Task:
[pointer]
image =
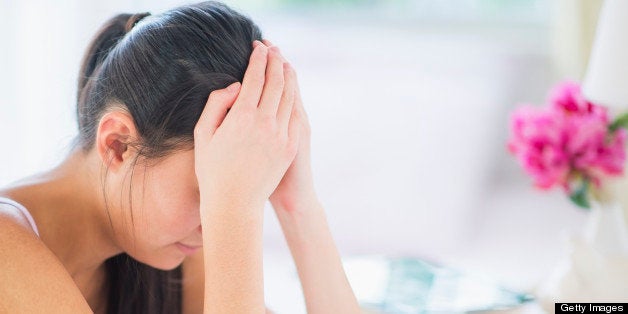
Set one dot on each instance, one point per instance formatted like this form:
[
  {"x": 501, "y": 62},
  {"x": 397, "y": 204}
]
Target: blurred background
[{"x": 408, "y": 102}]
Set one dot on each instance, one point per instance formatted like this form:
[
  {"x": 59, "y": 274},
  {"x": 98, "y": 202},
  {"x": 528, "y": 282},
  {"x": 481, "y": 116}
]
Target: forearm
[
  {"x": 232, "y": 238},
  {"x": 325, "y": 285}
]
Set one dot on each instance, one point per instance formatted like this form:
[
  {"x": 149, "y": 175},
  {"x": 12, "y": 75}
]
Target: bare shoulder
[{"x": 32, "y": 279}]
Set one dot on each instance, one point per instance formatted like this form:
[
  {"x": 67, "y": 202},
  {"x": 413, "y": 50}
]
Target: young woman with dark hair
[{"x": 187, "y": 123}]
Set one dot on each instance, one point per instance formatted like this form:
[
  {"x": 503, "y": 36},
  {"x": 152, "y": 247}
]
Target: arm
[
  {"x": 194, "y": 282},
  {"x": 232, "y": 237},
  {"x": 323, "y": 279},
  {"x": 32, "y": 279},
  {"x": 303, "y": 221},
  {"x": 240, "y": 157}
]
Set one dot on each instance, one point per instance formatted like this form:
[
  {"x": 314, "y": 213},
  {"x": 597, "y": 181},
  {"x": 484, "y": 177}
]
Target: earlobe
[{"x": 115, "y": 132}]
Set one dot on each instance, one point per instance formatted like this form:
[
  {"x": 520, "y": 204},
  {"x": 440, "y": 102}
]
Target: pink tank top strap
[{"x": 23, "y": 210}]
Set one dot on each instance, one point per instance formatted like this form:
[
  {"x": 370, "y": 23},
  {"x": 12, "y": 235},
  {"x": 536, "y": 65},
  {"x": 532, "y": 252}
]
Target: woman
[{"x": 158, "y": 207}]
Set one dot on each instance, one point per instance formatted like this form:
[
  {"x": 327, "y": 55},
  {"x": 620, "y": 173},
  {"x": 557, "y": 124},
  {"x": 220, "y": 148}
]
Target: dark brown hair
[{"x": 161, "y": 68}]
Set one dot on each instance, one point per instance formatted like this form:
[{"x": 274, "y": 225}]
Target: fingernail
[
  {"x": 233, "y": 87},
  {"x": 269, "y": 42}
]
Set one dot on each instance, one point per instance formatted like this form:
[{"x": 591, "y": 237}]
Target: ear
[{"x": 116, "y": 130}]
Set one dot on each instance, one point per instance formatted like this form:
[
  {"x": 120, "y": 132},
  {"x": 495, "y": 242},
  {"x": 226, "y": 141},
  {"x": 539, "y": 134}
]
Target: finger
[
  {"x": 272, "y": 46},
  {"x": 267, "y": 42},
  {"x": 218, "y": 102},
  {"x": 276, "y": 49},
  {"x": 294, "y": 131},
  {"x": 287, "y": 98},
  {"x": 254, "y": 77},
  {"x": 298, "y": 102},
  {"x": 274, "y": 85}
]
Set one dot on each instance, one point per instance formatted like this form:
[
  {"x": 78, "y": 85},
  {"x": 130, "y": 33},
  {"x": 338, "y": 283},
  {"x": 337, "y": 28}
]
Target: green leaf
[
  {"x": 580, "y": 196},
  {"x": 620, "y": 122}
]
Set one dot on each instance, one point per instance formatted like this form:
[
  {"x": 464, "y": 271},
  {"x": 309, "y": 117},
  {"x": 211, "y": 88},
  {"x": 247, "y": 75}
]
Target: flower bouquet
[
  {"x": 574, "y": 144},
  {"x": 571, "y": 143}
]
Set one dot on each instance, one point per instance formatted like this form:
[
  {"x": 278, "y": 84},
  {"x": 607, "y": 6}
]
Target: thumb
[{"x": 218, "y": 102}]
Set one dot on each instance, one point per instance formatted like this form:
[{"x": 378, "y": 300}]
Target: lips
[
  {"x": 187, "y": 249},
  {"x": 191, "y": 247}
]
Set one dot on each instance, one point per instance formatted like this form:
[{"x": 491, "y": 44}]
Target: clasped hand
[{"x": 252, "y": 141}]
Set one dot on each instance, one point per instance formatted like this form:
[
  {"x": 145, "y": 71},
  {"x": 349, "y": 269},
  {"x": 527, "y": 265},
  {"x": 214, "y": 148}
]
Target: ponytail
[{"x": 106, "y": 38}]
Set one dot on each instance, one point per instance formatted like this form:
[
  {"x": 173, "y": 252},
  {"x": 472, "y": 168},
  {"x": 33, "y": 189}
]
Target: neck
[{"x": 69, "y": 210}]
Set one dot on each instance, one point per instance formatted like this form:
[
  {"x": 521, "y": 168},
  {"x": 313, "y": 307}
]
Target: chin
[
  {"x": 167, "y": 267},
  {"x": 167, "y": 262},
  {"x": 162, "y": 261}
]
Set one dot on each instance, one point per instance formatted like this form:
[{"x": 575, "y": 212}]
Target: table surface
[
  {"x": 530, "y": 308},
  {"x": 284, "y": 295}
]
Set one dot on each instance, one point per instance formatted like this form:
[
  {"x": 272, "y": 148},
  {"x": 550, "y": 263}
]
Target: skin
[{"x": 212, "y": 194}]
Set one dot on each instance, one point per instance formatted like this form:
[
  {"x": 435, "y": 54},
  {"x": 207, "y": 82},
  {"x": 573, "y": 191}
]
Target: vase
[{"x": 596, "y": 268}]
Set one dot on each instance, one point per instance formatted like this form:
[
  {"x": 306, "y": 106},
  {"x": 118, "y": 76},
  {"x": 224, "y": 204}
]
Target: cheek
[{"x": 169, "y": 208}]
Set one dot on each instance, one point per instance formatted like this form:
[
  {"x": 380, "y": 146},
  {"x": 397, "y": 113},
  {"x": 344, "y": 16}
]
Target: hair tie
[{"x": 134, "y": 19}]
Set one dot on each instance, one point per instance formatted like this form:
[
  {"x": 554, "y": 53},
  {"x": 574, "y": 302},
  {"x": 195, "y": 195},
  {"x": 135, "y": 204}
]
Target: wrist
[
  {"x": 229, "y": 204},
  {"x": 303, "y": 221},
  {"x": 302, "y": 199}
]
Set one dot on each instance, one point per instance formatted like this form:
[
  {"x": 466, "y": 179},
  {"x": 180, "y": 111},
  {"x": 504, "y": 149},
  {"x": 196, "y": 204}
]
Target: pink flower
[
  {"x": 538, "y": 140},
  {"x": 569, "y": 137},
  {"x": 593, "y": 151},
  {"x": 567, "y": 97}
]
